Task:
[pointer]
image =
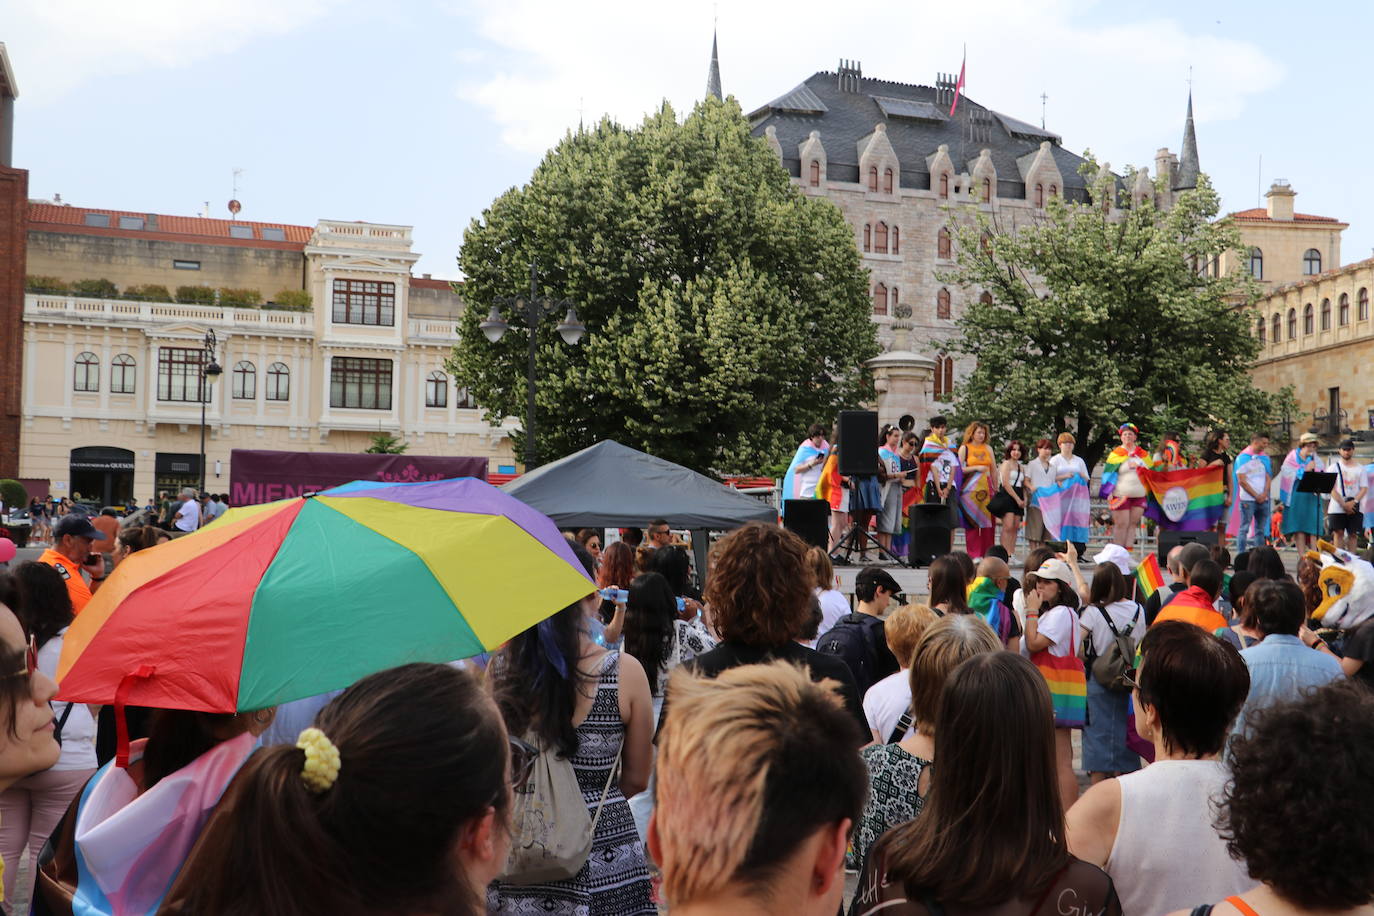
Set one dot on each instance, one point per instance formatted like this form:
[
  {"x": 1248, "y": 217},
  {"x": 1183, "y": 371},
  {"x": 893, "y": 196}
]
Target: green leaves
[
  {"x": 725, "y": 310},
  {"x": 1097, "y": 321}
]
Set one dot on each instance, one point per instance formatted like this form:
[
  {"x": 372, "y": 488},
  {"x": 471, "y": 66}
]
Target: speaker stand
[{"x": 858, "y": 537}]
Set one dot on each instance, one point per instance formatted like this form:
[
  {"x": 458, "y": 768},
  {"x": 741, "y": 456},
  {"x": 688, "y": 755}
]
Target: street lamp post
[
  {"x": 533, "y": 309},
  {"x": 209, "y": 370}
]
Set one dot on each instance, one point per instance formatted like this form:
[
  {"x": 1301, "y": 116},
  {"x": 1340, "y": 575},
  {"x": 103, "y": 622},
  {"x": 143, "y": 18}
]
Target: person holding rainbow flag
[
  {"x": 1122, "y": 487},
  {"x": 979, "y": 465}
]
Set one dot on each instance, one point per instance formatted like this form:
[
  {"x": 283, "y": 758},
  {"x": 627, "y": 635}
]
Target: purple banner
[{"x": 261, "y": 476}]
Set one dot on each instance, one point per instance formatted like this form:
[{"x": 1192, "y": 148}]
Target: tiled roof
[
  {"x": 163, "y": 226},
  {"x": 428, "y": 283},
  {"x": 1259, "y": 213}
]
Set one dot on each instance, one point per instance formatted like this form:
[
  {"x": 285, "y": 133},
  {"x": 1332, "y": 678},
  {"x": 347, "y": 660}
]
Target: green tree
[
  {"x": 386, "y": 444},
  {"x": 726, "y": 311},
  {"x": 1098, "y": 319}
]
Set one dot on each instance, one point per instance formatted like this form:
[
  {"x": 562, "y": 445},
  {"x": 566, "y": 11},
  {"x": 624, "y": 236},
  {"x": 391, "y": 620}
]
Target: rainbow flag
[
  {"x": 1188, "y": 500},
  {"x": 973, "y": 500},
  {"x": 985, "y": 598},
  {"x": 1112, "y": 469},
  {"x": 828, "y": 487},
  {"x": 1149, "y": 577},
  {"x": 1066, "y": 509}
]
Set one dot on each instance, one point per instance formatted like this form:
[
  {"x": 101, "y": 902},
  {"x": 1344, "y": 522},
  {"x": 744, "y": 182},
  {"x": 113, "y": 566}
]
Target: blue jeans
[{"x": 1259, "y": 511}]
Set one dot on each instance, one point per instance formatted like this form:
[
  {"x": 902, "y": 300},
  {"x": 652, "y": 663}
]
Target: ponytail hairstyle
[{"x": 421, "y": 754}]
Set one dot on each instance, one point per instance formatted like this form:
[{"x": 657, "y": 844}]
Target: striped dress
[{"x": 615, "y": 880}]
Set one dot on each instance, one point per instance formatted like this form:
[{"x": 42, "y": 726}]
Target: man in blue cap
[{"x": 70, "y": 553}]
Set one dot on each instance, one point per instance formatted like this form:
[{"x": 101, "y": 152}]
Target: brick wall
[{"x": 14, "y": 204}]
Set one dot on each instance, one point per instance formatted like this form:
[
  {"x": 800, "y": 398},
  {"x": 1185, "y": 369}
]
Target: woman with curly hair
[{"x": 1309, "y": 842}]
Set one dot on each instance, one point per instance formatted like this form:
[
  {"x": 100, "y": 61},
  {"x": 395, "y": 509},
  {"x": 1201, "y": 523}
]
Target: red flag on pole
[{"x": 959, "y": 86}]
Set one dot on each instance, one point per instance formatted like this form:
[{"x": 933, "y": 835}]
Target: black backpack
[{"x": 856, "y": 638}]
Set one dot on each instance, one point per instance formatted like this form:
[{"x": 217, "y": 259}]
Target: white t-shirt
[
  {"x": 1122, "y": 613},
  {"x": 78, "y": 732},
  {"x": 190, "y": 516},
  {"x": 1253, "y": 473},
  {"x": 892, "y": 467},
  {"x": 1037, "y": 476},
  {"x": 1059, "y": 463},
  {"x": 886, "y": 702},
  {"x": 1057, "y": 625},
  {"x": 806, "y": 481},
  {"x": 834, "y": 605},
  {"x": 1352, "y": 479}
]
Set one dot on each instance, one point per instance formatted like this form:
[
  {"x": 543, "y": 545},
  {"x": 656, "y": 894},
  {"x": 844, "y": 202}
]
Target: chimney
[
  {"x": 851, "y": 72},
  {"x": 1280, "y": 200},
  {"x": 9, "y": 91}
]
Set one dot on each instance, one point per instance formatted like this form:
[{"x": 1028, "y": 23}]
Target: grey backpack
[{"x": 1111, "y": 668}]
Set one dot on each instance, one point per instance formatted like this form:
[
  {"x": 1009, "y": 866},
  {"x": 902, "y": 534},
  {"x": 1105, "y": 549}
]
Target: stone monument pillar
[{"x": 902, "y": 379}]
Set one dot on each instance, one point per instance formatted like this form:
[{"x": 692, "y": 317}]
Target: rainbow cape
[
  {"x": 828, "y": 487},
  {"x": 1244, "y": 458},
  {"x": 1188, "y": 500},
  {"x": 985, "y": 598},
  {"x": 931, "y": 451},
  {"x": 1066, "y": 509},
  {"x": 791, "y": 484},
  {"x": 1113, "y": 467},
  {"x": 1148, "y": 576}
]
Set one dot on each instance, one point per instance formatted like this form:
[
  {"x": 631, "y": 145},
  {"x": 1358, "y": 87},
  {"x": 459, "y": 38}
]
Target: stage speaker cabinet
[
  {"x": 858, "y": 442},
  {"x": 809, "y": 519},
  {"x": 1169, "y": 539},
  {"x": 932, "y": 533}
]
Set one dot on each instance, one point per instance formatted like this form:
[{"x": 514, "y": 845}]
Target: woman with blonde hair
[
  {"x": 980, "y": 482},
  {"x": 888, "y": 701},
  {"x": 758, "y": 788},
  {"x": 834, "y": 604},
  {"x": 898, "y": 778}
]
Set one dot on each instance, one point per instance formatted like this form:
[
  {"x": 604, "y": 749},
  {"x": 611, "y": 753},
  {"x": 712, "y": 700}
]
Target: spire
[
  {"x": 713, "y": 74},
  {"x": 1187, "y": 158}
]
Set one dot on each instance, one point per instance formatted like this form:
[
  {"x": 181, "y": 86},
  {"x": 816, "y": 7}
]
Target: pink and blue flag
[{"x": 1066, "y": 508}]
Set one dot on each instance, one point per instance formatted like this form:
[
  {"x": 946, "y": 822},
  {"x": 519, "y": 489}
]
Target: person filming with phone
[{"x": 71, "y": 554}]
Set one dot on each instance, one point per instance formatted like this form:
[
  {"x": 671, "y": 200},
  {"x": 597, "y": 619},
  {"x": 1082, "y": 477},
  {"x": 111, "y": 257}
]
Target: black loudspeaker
[
  {"x": 1169, "y": 539},
  {"x": 907, "y": 423},
  {"x": 809, "y": 519},
  {"x": 858, "y": 443},
  {"x": 932, "y": 533}
]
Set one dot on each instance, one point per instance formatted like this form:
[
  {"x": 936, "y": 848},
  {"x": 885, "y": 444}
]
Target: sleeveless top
[{"x": 1167, "y": 855}]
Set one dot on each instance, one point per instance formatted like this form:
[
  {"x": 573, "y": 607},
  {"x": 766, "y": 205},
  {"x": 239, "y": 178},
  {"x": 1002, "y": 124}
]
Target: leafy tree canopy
[
  {"x": 725, "y": 310},
  {"x": 1096, "y": 320}
]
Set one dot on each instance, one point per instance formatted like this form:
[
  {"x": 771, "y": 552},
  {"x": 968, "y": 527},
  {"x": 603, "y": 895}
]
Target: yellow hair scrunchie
[{"x": 321, "y": 760}]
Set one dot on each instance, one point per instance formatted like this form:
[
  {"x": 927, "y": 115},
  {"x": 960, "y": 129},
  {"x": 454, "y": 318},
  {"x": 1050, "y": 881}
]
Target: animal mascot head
[{"x": 1347, "y": 586}]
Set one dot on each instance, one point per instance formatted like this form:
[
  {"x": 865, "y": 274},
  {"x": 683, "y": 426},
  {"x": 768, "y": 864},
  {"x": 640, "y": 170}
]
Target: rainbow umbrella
[{"x": 290, "y": 599}]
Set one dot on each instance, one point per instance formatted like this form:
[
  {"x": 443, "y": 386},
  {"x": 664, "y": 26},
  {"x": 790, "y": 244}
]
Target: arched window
[
  {"x": 815, "y": 173},
  {"x": 1326, "y": 314},
  {"x": 894, "y": 295},
  {"x": 1256, "y": 263},
  {"x": 987, "y": 190},
  {"x": 942, "y": 304},
  {"x": 436, "y": 389},
  {"x": 880, "y": 299},
  {"x": 944, "y": 377},
  {"x": 1292, "y": 323},
  {"x": 278, "y": 382},
  {"x": 985, "y": 298},
  {"x": 873, "y": 178},
  {"x": 462, "y": 398},
  {"x": 880, "y": 238},
  {"x": 942, "y": 245},
  {"x": 1312, "y": 262},
  {"x": 896, "y": 240},
  {"x": 1039, "y": 195},
  {"x": 1275, "y": 325},
  {"x": 1307, "y": 319},
  {"x": 86, "y": 376},
  {"x": 887, "y": 181},
  {"x": 1054, "y": 190},
  {"x": 122, "y": 374},
  {"x": 1343, "y": 310},
  {"x": 868, "y": 236},
  {"x": 245, "y": 380},
  {"x": 1362, "y": 304},
  {"x": 1259, "y": 329},
  {"x": 944, "y": 184}
]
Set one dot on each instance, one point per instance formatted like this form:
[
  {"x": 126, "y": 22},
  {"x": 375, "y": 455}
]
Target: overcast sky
[{"x": 420, "y": 112}]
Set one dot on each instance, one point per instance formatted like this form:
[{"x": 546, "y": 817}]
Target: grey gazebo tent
[{"x": 612, "y": 485}]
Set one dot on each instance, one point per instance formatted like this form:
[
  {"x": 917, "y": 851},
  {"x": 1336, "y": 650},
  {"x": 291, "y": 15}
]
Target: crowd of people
[
  {"x": 185, "y": 510},
  {"x": 995, "y": 493},
  {"x": 735, "y": 748}
]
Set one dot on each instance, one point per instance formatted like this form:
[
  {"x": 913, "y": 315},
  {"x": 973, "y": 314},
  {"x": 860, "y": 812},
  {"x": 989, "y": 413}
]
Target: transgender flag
[{"x": 1066, "y": 508}]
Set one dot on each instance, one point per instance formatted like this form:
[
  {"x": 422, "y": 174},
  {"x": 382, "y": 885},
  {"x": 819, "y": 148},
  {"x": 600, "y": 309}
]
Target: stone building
[
  {"x": 112, "y": 388},
  {"x": 904, "y": 171}
]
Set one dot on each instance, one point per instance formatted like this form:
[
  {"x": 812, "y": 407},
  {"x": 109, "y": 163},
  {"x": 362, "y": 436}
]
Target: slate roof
[{"x": 917, "y": 123}]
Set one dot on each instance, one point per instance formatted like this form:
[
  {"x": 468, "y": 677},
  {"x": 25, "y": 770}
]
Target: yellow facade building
[{"x": 112, "y": 385}]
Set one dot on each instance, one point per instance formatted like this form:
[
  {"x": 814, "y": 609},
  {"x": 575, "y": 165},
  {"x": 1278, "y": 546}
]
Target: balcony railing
[{"x": 42, "y": 305}]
